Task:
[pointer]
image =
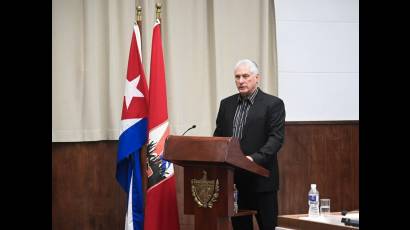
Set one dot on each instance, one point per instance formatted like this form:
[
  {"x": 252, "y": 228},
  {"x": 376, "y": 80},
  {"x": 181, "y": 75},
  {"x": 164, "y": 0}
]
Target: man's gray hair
[{"x": 253, "y": 67}]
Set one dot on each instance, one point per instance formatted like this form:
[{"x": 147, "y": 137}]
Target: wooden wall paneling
[
  {"x": 294, "y": 170},
  {"x": 322, "y": 153},
  {"x": 85, "y": 193},
  {"x": 355, "y": 167}
]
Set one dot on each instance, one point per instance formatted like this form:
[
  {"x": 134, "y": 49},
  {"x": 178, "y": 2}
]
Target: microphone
[
  {"x": 192, "y": 127},
  {"x": 350, "y": 222}
]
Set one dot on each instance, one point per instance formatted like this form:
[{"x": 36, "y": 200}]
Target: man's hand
[{"x": 250, "y": 158}]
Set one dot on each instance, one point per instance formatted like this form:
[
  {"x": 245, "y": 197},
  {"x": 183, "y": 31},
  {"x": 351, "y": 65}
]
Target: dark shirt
[{"x": 244, "y": 103}]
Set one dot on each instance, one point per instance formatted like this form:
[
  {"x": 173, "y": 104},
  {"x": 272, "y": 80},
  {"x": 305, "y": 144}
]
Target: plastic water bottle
[
  {"x": 235, "y": 199},
  {"x": 313, "y": 201}
]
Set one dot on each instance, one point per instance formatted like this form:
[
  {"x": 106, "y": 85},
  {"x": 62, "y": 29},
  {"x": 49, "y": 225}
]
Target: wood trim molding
[{"x": 341, "y": 122}]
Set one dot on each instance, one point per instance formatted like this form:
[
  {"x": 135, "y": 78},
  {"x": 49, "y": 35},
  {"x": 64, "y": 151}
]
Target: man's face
[{"x": 245, "y": 81}]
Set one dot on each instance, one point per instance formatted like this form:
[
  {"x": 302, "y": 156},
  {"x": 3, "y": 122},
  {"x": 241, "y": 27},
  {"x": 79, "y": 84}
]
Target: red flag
[{"x": 161, "y": 210}]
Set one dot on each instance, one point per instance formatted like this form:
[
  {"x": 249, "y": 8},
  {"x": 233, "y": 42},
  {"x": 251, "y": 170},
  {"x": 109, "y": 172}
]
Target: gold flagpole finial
[
  {"x": 139, "y": 13},
  {"x": 158, "y": 6}
]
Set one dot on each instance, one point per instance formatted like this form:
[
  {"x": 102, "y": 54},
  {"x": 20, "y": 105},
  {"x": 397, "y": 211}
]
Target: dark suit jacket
[{"x": 262, "y": 137}]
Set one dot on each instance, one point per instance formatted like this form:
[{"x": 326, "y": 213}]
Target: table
[{"x": 303, "y": 221}]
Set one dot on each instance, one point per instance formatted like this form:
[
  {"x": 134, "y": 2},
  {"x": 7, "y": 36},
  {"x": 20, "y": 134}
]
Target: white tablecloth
[{"x": 330, "y": 219}]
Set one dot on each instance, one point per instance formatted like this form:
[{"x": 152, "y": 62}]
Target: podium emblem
[{"x": 205, "y": 192}]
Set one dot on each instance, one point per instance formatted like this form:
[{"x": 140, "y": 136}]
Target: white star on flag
[{"x": 131, "y": 90}]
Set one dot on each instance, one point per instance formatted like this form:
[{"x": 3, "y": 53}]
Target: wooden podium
[{"x": 209, "y": 164}]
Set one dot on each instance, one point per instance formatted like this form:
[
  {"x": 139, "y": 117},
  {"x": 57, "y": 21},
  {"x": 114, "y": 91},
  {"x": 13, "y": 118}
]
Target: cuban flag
[
  {"x": 133, "y": 135},
  {"x": 161, "y": 210}
]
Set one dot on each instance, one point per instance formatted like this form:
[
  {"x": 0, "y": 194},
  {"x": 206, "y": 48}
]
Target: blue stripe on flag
[
  {"x": 128, "y": 163},
  {"x": 130, "y": 141},
  {"x": 137, "y": 196}
]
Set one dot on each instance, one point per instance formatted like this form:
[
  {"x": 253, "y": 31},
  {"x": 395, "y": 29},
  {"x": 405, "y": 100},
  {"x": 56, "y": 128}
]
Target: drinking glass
[{"x": 324, "y": 206}]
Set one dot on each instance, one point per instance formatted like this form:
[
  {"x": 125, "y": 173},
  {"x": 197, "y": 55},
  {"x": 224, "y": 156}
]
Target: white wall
[{"x": 318, "y": 58}]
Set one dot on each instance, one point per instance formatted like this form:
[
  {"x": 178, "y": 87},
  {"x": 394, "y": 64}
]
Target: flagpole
[{"x": 143, "y": 152}]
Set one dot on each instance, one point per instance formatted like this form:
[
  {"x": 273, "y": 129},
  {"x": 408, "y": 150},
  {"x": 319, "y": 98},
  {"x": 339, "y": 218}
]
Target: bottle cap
[{"x": 313, "y": 185}]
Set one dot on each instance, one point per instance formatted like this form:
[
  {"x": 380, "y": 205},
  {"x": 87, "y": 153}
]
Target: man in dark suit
[{"x": 258, "y": 120}]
